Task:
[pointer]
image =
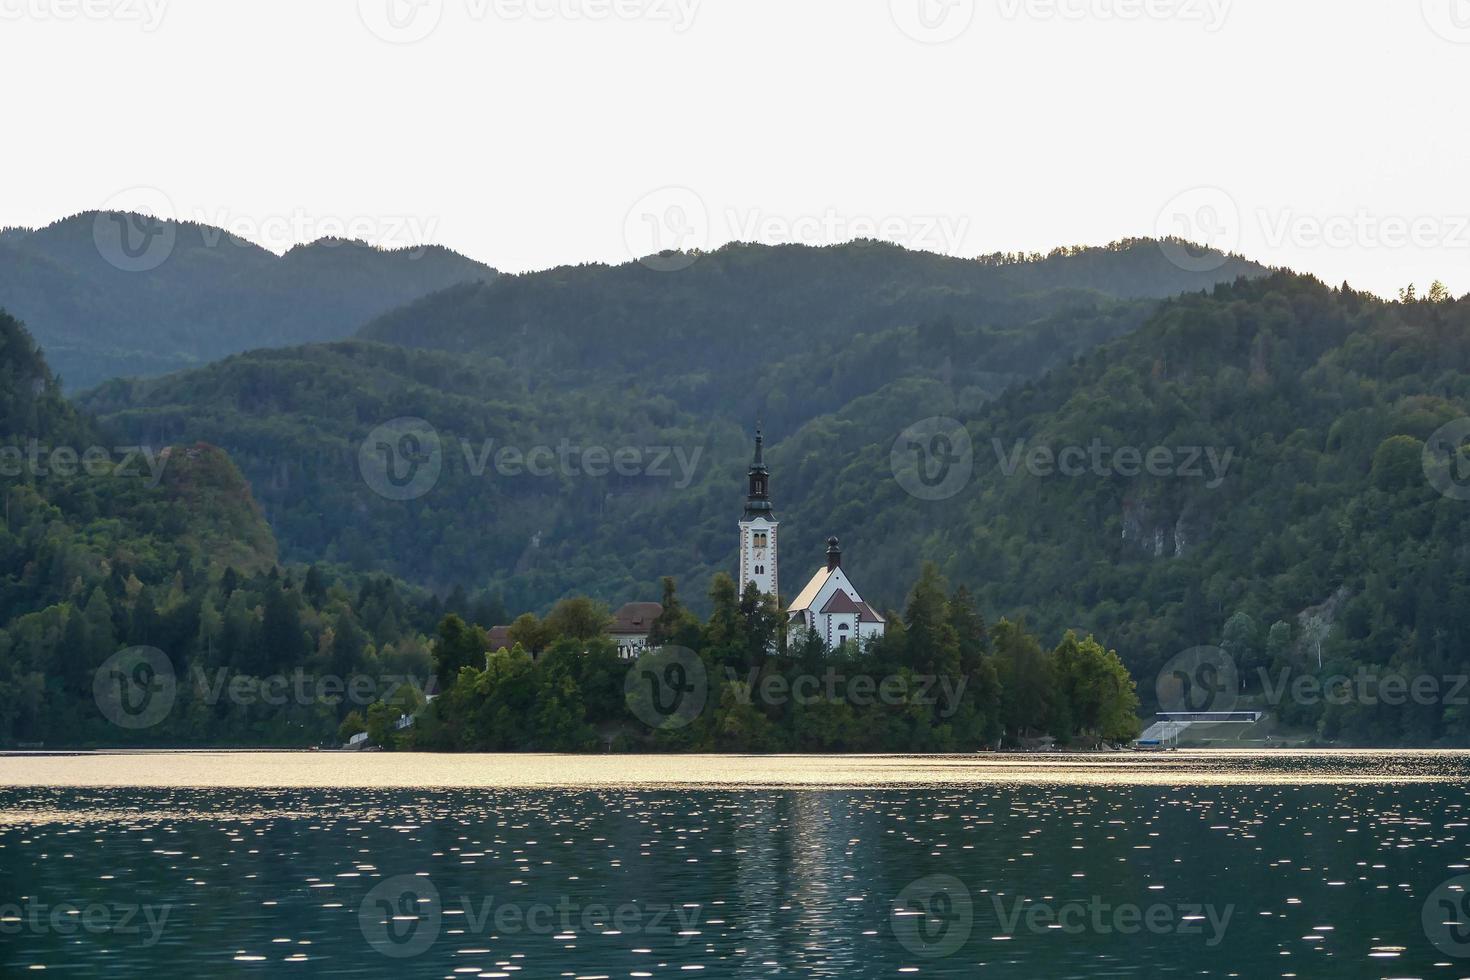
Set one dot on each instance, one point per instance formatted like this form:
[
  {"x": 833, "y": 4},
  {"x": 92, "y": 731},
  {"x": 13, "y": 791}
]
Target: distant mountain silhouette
[
  {"x": 110, "y": 294},
  {"x": 759, "y": 327}
]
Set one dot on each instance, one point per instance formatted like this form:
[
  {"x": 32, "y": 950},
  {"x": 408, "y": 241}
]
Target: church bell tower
[{"x": 758, "y": 527}]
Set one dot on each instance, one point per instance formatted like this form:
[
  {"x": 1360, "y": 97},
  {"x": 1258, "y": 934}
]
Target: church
[{"x": 829, "y": 605}]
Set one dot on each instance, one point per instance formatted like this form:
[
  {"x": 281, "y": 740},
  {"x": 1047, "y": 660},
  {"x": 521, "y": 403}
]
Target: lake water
[{"x": 1347, "y": 864}]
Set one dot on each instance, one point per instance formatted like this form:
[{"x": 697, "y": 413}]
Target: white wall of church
[{"x": 829, "y": 626}]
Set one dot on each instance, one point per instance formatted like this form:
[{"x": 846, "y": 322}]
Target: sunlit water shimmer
[{"x": 1188, "y": 865}]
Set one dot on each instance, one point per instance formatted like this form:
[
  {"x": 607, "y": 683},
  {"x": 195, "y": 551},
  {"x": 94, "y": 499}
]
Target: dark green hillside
[
  {"x": 31, "y": 405},
  {"x": 296, "y": 419},
  {"x": 1291, "y": 503},
  {"x": 146, "y": 608},
  {"x": 1292, "y": 514},
  {"x": 167, "y": 550},
  {"x": 1325, "y": 523},
  {"x": 615, "y": 358},
  {"x": 209, "y": 294},
  {"x": 712, "y": 335}
]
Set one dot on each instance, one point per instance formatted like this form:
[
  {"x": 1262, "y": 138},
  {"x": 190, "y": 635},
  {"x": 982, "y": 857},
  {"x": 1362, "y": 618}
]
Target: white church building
[{"x": 829, "y": 605}]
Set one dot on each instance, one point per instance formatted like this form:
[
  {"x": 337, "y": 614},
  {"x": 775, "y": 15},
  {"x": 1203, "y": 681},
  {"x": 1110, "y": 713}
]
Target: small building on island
[{"x": 631, "y": 626}]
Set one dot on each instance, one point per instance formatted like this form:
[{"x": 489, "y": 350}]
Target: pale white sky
[{"x": 1327, "y": 135}]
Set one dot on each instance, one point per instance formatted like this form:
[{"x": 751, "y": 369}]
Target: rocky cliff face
[{"x": 1162, "y": 528}]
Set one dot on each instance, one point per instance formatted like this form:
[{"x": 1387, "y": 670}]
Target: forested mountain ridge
[
  {"x": 297, "y": 420},
  {"x": 106, "y": 545},
  {"x": 716, "y": 334},
  {"x": 144, "y": 606},
  {"x": 619, "y": 359},
  {"x": 110, "y": 294},
  {"x": 1293, "y": 515},
  {"x": 1312, "y": 521},
  {"x": 1298, "y": 513},
  {"x": 31, "y": 403}
]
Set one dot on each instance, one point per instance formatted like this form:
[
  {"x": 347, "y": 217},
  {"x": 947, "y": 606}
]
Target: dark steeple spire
[
  {"x": 834, "y": 555},
  {"x": 758, "y": 499}
]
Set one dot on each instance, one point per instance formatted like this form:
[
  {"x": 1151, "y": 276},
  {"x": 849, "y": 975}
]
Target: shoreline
[{"x": 1263, "y": 750}]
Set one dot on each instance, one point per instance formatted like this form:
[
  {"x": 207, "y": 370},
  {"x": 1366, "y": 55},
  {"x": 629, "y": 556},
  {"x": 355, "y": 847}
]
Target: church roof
[
  {"x": 636, "y": 618},
  {"x": 808, "y": 595},
  {"x": 841, "y": 602}
]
